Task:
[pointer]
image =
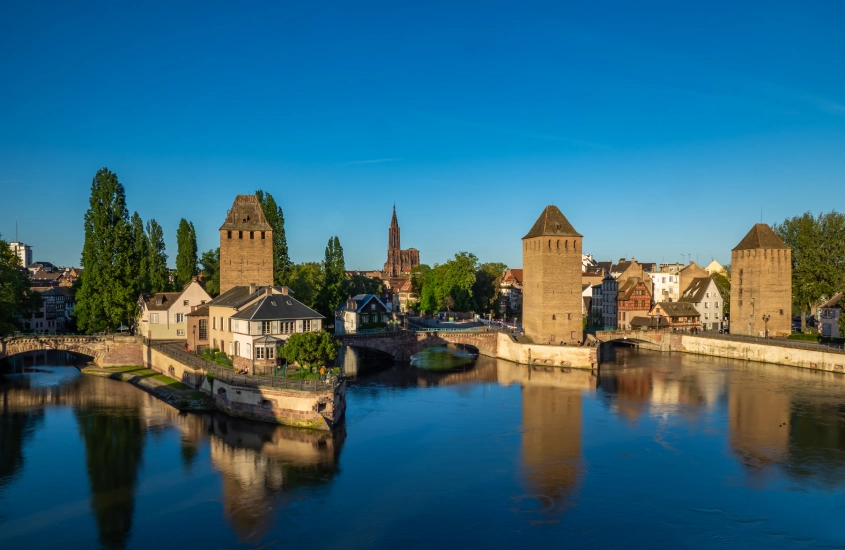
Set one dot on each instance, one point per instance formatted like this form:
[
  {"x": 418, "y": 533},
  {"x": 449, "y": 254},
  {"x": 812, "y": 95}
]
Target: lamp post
[
  {"x": 766, "y": 321},
  {"x": 195, "y": 338}
]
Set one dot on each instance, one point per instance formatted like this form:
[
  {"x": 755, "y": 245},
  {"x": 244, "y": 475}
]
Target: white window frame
[{"x": 153, "y": 318}]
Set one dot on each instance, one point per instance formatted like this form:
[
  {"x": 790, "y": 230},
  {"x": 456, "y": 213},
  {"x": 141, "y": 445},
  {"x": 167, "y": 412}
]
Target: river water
[{"x": 673, "y": 450}]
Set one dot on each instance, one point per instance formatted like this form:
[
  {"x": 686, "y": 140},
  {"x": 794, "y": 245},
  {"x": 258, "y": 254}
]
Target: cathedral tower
[
  {"x": 761, "y": 284},
  {"x": 246, "y": 245},
  {"x": 551, "y": 293},
  {"x": 399, "y": 262}
]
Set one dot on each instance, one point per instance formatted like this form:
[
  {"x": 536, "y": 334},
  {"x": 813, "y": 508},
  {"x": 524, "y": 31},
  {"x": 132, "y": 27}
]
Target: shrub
[{"x": 804, "y": 337}]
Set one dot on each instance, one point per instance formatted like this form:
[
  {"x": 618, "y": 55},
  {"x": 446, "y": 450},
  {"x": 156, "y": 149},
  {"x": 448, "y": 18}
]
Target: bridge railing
[
  {"x": 177, "y": 353},
  {"x": 832, "y": 348}
]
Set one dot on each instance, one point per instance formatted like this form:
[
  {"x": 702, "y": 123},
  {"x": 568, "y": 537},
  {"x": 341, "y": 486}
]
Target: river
[{"x": 659, "y": 449}]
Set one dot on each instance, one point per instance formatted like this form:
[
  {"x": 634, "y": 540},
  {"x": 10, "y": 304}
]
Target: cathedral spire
[{"x": 393, "y": 221}]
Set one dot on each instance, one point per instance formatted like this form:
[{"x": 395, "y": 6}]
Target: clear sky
[{"x": 659, "y": 129}]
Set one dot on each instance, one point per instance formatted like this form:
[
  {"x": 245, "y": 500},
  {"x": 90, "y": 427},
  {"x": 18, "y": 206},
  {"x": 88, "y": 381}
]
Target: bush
[
  {"x": 804, "y": 337},
  {"x": 309, "y": 349}
]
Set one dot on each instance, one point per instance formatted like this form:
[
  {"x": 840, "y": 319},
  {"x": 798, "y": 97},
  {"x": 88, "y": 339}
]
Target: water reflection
[{"x": 15, "y": 429}]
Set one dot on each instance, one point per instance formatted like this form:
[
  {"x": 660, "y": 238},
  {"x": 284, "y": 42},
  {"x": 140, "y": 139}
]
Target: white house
[
  {"x": 703, "y": 293},
  {"x": 829, "y": 315},
  {"x": 666, "y": 286},
  {"x": 358, "y": 311},
  {"x": 161, "y": 315}
]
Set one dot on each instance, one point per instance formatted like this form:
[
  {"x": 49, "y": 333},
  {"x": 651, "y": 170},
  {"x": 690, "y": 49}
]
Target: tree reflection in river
[{"x": 15, "y": 429}]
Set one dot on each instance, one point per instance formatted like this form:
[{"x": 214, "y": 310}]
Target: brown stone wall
[
  {"x": 551, "y": 294},
  {"x": 761, "y": 284},
  {"x": 245, "y": 260}
]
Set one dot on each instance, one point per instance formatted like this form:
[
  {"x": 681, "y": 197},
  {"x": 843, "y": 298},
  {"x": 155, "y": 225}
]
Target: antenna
[{"x": 16, "y": 230}]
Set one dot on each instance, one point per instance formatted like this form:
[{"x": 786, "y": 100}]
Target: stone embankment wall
[
  {"x": 763, "y": 353},
  {"x": 580, "y": 357},
  {"x": 307, "y": 409}
]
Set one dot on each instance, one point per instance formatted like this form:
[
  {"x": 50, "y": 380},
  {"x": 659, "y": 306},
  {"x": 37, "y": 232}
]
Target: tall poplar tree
[
  {"x": 141, "y": 255},
  {"x": 106, "y": 298},
  {"x": 276, "y": 218},
  {"x": 334, "y": 273},
  {"x": 186, "y": 253},
  {"x": 210, "y": 261},
  {"x": 159, "y": 275}
]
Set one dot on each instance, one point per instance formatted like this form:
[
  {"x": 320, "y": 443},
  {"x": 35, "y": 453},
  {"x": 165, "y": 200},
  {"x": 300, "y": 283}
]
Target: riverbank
[{"x": 172, "y": 392}]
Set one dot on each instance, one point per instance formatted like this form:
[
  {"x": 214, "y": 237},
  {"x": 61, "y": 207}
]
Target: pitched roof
[
  {"x": 835, "y": 302},
  {"x": 552, "y": 223},
  {"x": 359, "y": 301},
  {"x": 246, "y": 215},
  {"x": 628, "y": 287},
  {"x": 760, "y": 236},
  {"x": 237, "y": 296},
  {"x": 677, "y": 309},
  {"x": 696, "y": 290},
  {"x": 650, "y": 322},
  {"x": 200, "y": 312},
  {"x": 512, "y": 275},
  {"x": 273, "y": 307},
  {"x": 160, "y": 301}
]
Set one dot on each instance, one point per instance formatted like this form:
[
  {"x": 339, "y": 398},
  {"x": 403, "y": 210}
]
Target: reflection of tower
[
  {"x": 551, "y": 441},
  {"x": 758, "y": 422}
]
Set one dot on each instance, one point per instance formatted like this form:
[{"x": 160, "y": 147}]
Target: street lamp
[
  {"x": 195, "y": 338},
  {"x": 766, "y": 320}
]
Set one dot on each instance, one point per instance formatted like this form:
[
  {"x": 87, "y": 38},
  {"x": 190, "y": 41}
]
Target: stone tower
[
  {"x": 551, "y": 293},
  {"x": 246, "y": 245},
  {"x": 761, "y": 284}
]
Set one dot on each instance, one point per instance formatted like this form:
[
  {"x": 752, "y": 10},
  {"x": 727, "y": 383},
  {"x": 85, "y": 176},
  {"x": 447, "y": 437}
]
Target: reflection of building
[{"x": 758, "y": 420}]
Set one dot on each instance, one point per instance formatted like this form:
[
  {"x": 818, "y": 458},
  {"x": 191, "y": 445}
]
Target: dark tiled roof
[
  {"x": 604, "y": 265},
  {"x": 621, "y": 266},
  {"x": 199, "y": 312},
  {"x": 835, "y": 302},
  {"x": 246, "y": 215},
  {"x": 760, "y": 236},
  {"x": 274, "y": 307},
  {"x": 552, "y": 223},
  {"x": 160, "y": 301},
  {"x": 677, "y": 309},
  {"x": 360, "y": 301},
  {"x": 236, "y": 296},
  {"x": 695, "y": 291}
]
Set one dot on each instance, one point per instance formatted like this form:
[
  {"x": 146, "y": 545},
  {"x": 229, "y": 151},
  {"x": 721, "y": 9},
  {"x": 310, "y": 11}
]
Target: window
[
  {"x": 180, "y": 332},
  {"x": 265, "y": 327},
  {"x": 214, "y": 343},
  {"x": 240, "y": 234},
  {"x": 781, "y": 312},
  {"x": 715, "y": 304},
  {"x": 203, "y": 329},
  {"x": 228, "y": 234},
  {"x": 252, "y": 235},
  {"x": 664, "y": 279},
  {"x": 306, "y": 325},
  {"x": 185, "y": 303},
  {"x": 154, "y": 318},
  {"x": 259, "y": 352},
  {"x": 372, "y": 307},
  {"x": 706, "y": 305},
  {"x": 214, "y": 323},
  {"x": 706, "y": 316},
  {"x": 262, "y": 235},
  {"x": 715, "y": 315},
  {"x": 180, "y": 318},
  {"x": 271, "y": 352}
]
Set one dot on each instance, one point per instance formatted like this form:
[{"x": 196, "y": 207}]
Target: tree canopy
[
  {"x": 334, "y": 273},
  {"x": 141, "y": 255},
  {"x": 106, "y": 297},
  {"x": 276, "y": 218},
  {"x": 461, "y": 284},
  {"x": 159, "y": 276},
  {"x": 309, "y": 349},
  {"x": 818, "y": 257},
  {"x": 210, "y": 261},
  {"x": 17, "y": 299},
  {"x": 186, "y": 253},
  {"x": 306, "y": 281}
]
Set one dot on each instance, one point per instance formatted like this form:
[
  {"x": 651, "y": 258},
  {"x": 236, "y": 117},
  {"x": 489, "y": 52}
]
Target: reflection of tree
[
  {"x": 817, "y": 444},
  {"x": 114, "y": 443},
  {"x": 15, "y": 429}
]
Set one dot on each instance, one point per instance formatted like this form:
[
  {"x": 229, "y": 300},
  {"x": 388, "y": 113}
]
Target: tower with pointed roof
[
  {"x": 399, "y": 262},
  {"x": 761, "y": 284},
  {"x": 246, "y": 245},
  {"x": 551, "y": 292}
]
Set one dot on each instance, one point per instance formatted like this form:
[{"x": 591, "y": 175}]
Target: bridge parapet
[
  {"x": 112, "y": 349},
  {"x": 404, "y": 344}
]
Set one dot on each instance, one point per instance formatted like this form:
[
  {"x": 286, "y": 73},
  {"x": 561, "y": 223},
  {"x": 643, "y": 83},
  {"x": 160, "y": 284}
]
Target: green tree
[
  {"x": 210, "y": 262},
  {"x": 18, "y": 301},
  {"x": 141, "y": 255},
  {"x": 724, "y": 285},
  {"x": 186, "y": 253},
  {"x": 276, "y": 218},
  {"x": 818, "y": 257},
  {"x": 306, "y": 282},
  {"x": 309, "y": 349},
  {"x": 360, "y": 284},
  {"x": 334, "y": 273},
  {"x": 106, "y": 298},
  {"x": 485, "y": 290},
  {"x": 158, "y": 272},
  {"x": 448, "y": 286}
]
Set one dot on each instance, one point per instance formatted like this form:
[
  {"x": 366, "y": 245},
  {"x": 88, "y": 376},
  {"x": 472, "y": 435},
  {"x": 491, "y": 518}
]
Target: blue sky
[{"x": 659, "y": 129}]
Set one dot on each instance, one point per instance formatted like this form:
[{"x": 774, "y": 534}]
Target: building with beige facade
[
  {"x": 551, "y": 295},
  {"x": 162, "y": 315},
  {"x": 246, "y": 245},
  {"x": 761, "y": 284}
]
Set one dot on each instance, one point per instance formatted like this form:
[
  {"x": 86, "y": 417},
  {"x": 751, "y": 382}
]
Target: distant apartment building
[
  {"x": 56, "y": 307},
  {"x": 666, "y": 286},
  {"x": 609, "y": 292},
  {"x": 23, "y": 252},
  {"x": 596, "y": 318}
]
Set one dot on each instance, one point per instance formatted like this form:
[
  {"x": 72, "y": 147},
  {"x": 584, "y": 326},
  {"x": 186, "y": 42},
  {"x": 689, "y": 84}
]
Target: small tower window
[
  {"x": 252, "y": 234},
  {"x": 554, "y": 317},
  {"x": 228, "y": 234},
  {"x": 240, "y": 234},
  {"x": 262, "y": 235}
]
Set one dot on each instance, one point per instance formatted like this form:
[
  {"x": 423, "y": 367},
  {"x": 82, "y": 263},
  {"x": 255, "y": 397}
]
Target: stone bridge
[
  {"x": 107, "y": 350},
  {"x": 652, "y": 339},
  {"x": 403, "y": 344}
]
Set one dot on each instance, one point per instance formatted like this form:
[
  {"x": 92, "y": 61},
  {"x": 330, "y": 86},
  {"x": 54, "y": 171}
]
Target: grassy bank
[{"x": 171, "y": 391}]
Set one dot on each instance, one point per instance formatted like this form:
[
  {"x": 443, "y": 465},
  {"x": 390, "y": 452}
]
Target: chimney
[
  {"x": 269, "y": 290},
  {"x": 251, "y": 289},
  {"x": 285, "y": 290}
]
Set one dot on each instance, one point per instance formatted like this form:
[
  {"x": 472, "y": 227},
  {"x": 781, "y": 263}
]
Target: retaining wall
[{"x": 579, "y": 357}]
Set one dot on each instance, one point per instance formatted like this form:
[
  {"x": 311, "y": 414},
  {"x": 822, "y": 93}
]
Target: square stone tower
[
  {"x": 761, "y": 284},
  {"x": 246, "y": 245},
  {"x": 551, "y": 293}
]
